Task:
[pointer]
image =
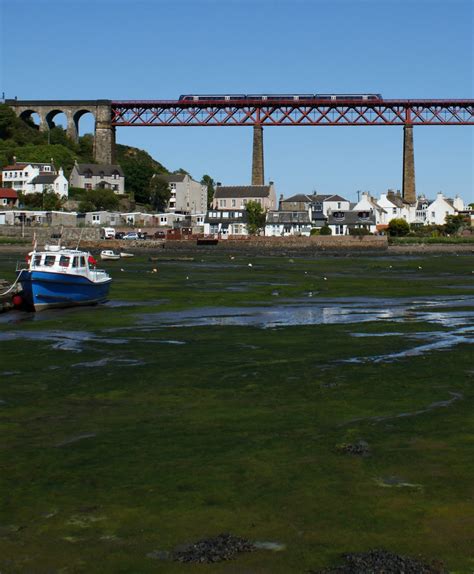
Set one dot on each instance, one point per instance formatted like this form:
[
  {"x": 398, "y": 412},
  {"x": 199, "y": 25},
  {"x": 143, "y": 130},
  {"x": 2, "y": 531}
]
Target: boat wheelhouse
[{"x": 59, "y": 277}]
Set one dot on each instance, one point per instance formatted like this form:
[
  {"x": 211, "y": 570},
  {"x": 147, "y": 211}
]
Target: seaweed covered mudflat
[{"x": 243, "y": 414}]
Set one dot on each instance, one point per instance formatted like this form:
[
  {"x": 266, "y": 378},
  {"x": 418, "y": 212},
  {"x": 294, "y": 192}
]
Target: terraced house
[{"x": 237, "y": 196}]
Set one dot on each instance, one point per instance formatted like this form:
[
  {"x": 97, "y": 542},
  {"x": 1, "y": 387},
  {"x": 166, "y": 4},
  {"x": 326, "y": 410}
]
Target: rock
[
  {"x": 208, "y": 550},
  {"x": 382, "y": 562},
  {"x": 359, "y": 448}
]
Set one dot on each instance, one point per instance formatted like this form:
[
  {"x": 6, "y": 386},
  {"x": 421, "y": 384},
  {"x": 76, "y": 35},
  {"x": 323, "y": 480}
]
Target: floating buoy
[{"x": 17, "y": 300}]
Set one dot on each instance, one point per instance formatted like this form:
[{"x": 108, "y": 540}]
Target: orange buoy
[{"x": 17, "y": 300}]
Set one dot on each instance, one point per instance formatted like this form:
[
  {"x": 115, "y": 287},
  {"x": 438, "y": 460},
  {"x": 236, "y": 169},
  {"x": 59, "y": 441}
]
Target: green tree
[
  {"x": 398, "y": 227},
  {"x": 160, "y": 193},
  {"x": 138, "y": 167},
  {"x": 47, "y": 200},
  {"x": 325, "y": 230},
  {"x": 456, "y": 223},
  {"x": 209, "y": 182},
  {"x": 255, "y": 217},
  {"x": 99, "y": 200}
]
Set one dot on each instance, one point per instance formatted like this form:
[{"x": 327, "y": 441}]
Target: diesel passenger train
[{"x": 277, "y": 97}]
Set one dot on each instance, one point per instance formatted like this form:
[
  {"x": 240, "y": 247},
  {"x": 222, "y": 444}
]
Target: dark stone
[
  {"x": 208, "y": 550},
  {"x": 382, "y": 562},
  {"x": 359, "y": 448}
]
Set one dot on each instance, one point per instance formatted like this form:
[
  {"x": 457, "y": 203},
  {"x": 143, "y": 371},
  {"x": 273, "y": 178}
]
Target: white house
[
  {"x": 286, "y": 223},
  {"x": 56, "y": 183},
  {"x": 226, "y": 222},
  {"x": 29, "y": 177},
  {"x": 395, "y": 207},
  {"x": 438, "y": 209},
  {"x": 368, "y": 204},
  {"x": 341, "y": 222}
]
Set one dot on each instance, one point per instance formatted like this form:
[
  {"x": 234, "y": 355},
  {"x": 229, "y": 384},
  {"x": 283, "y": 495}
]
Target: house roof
[
  {"x": 326, "y": 197},
  {"x": 7, "y": 193},
  {"x": 223, "y": 192},
  {"x": 173, "y": 178},
  {"x": 287, "y": 217},
  {"x": 45, "y": 178},
  {"x": 351, "y": 217},
  {"x": 104, "y": 169},
  {"x": 396, "y": 199},
  {"x": 335, "y": 198},
  {"x": 298, "y": 198},
  {"x": 21, "y": 165}
]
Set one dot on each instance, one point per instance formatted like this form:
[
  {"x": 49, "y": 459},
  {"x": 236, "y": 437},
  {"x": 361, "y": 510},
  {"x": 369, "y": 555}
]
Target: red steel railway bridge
[{"x": 258, "y": 113}]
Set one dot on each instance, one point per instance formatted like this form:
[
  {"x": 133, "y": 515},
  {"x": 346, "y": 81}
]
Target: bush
[
  {"x": 314, "y": 231},
  {"x": 359, "y": 231},
  {"x": 325, "y": 230},
  {"x": 398, "y": 228}
]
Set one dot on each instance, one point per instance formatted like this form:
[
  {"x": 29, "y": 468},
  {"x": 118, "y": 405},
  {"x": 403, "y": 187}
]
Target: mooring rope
[{"x": 15, "y": 282}]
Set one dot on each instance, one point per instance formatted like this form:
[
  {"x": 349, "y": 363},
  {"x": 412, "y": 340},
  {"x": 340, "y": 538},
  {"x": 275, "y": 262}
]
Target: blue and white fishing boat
[{"x": 58, "y": 277}]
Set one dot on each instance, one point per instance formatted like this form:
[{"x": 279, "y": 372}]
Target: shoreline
[{"x": 257, "y": 248}]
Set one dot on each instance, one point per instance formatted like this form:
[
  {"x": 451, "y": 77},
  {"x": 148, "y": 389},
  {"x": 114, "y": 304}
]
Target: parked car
[
  {"x": 159, "y": 235},
  {"x": 142, "y": 235},
  {"x": 119, "y": 235},
  {"x": 131, "y": 235}
]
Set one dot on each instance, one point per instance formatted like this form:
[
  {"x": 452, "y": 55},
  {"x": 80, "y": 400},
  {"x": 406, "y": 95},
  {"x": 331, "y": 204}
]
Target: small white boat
[
  {"x": 109, "y": 255},
  {"x": 123, "y": 254}
]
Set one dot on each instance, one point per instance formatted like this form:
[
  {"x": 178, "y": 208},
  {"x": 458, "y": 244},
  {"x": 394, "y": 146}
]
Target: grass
[
  {"x": 431, "y": 240},
  {"x": 236, "y": 429}
]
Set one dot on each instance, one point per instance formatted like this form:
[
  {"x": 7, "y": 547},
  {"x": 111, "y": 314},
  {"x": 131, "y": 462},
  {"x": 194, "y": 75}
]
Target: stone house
[
  {"x": 236, "y": 197},
  {"x": 98, "y": 176},
  {"x": 187, "y": 195}
]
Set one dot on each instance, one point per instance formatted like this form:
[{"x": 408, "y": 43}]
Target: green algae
[{"x": 235, "y": 430}]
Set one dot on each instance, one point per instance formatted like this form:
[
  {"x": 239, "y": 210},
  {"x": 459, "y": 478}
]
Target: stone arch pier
[{"x": 104, "y": 136}]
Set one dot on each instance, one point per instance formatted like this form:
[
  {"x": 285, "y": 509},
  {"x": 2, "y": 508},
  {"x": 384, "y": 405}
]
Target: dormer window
[
  {"x": 88, "y": 174},
  {"x": 102, "y": 174},
  {"x": 363, "y": 214},
  {"x": 338, "y": 215}
]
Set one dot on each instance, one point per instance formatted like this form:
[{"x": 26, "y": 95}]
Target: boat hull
[{"x": 43, "y": 290}]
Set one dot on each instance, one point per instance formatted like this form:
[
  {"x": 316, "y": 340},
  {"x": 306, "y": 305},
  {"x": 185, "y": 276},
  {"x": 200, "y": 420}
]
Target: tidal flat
[{"x": 233, "y": 394}]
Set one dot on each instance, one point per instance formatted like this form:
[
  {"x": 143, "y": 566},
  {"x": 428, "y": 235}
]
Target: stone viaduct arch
[{"x": 104, "y": 137}]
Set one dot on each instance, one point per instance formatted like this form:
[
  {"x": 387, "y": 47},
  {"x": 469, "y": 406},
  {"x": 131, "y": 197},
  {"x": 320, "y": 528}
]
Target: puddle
[
  {"x": 322, "y": 312},
  {"x": 106, "y": 361},
  {"x": 61, "y": 340},
  {"x": 442, "y": 342},
  {"x": 396, "y": 482},
  {"x": 273, "y": 546}
]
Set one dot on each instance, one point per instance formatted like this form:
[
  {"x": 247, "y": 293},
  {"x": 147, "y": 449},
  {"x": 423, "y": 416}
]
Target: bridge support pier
[
  {"x": 408, "y": 184},
  {"x": 104, "y": 139},
  {"x": 257, "y": 156}
]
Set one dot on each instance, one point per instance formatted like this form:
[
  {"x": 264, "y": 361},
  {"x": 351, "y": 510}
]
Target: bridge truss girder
[{"x": 388, "y": 112}]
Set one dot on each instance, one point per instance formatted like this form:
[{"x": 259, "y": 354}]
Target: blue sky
[{"x": 118, "y": 49}]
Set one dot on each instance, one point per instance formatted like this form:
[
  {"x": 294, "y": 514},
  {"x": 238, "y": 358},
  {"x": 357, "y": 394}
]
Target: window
[
  {"x": 96, "y": 218},
  {"x": 88, "y": 186},
  {"x": 222, "y": 203},
  {"x": 88, "y": 174},
  {"x": 75, "y": 262},
  {"x": 233, "y": 203},
  {"x": 115, "y": 187},
  {"x": 49, "y": 260},
  {"x": 64, "y": 261},
  {"x": 37, "y": 260},
  {"x": 172, "y": 186},
  {"x": 82, "y": 261},
  {"x": 339, "y": 205}
]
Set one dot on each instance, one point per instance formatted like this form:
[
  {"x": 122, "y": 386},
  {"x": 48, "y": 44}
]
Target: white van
[{"x": 107, "y": 233}]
